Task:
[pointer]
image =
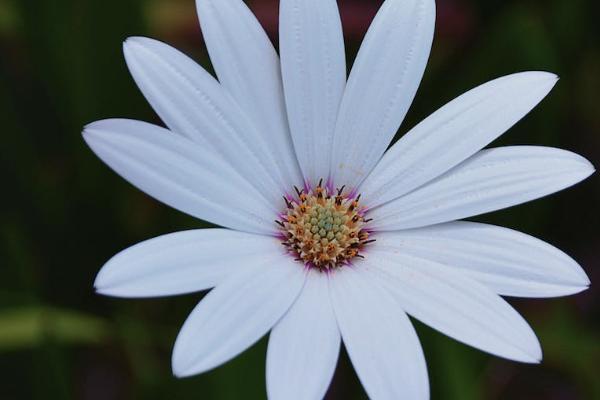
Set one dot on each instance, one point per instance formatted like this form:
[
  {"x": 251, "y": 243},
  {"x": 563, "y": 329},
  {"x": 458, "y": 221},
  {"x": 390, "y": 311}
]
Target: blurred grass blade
[{"x": 26, "y": 328}]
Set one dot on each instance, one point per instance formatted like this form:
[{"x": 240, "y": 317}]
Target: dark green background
[{"x": 64, "y": 213}]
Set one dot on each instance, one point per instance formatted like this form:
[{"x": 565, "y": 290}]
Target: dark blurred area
[{"x": 64, "y": 213}]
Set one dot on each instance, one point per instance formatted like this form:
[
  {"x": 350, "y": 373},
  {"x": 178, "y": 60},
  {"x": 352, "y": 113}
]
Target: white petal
[
  {"x": 236, "y": 314},
  {"x": 182, "y": 262},
  {"x": 180, "y": 173},
  {"x": 381, "y": 87},
  {"x": 248, "y": 68},
  {"x": 313, "y": 64},
  {"x": 454, "y": 133},
  {"x": 378, "y": 336},
  {"x": 454, "y": 304},
  {"x": 304, "y": 345},
  {"x": 508, "y": 262},
  {"x": 192, "y": 103},
  {"x": 490, "y": 180}
]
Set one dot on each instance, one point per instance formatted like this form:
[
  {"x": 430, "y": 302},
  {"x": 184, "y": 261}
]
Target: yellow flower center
[{"x": 324, "y": 229}]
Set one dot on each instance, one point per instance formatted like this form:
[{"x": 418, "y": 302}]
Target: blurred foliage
[
  {"x": 64, "y": 213},
  {"x": 29, "y": 327}
]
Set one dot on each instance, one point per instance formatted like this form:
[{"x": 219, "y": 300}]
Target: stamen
[{"x": 325, "y": 228}]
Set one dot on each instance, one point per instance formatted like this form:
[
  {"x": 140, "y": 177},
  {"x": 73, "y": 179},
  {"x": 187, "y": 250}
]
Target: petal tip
[
  {"x": 548, "y": 79},
  {"x": 110, "y": 292},
  {"x": 89, "y": 135},
  {"x": 136, "y": 43},
  {"x": 95, "y": 134},
  {"x": 542, "y": 78},
  {"x": 549, "y": 76},
  {"x": 581, "y": 278},
  {"x": 101, "y": 290},
  {"x": 131, "y": 40},
  {"x": 178, "y": 366},
  {"x": 135, "y": 40},
  {"x": 94, "y": 127},
  {"x": 585, "y": 287},
  {"x": 587, "y": 168},
  {"x": 178, "y": 373},
  {"x": 102, "y": 285},
  {"x": 536, "y": 352},
  {"x": 590, "y": 167},
  {"x": 552, "y": 78},
  {"x": 531, "y": 356},
  {"x": 85, "y": 133}
]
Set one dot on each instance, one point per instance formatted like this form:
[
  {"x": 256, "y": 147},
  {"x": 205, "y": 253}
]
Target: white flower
[{"x": 327, "y": 266}]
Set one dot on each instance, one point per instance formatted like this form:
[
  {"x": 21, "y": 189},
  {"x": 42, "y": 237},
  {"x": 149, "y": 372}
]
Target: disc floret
[{"x": 324, "y": 228}]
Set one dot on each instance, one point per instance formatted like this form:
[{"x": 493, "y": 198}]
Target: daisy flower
[{"x": 327, "y": 237}]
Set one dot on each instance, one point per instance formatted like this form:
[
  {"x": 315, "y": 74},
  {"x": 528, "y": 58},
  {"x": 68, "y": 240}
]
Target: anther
[{"x": 324, "y": 229}]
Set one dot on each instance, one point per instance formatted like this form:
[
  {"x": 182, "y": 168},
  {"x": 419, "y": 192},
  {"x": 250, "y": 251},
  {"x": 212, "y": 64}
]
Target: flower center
[{"x": 323, "y": 228}]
